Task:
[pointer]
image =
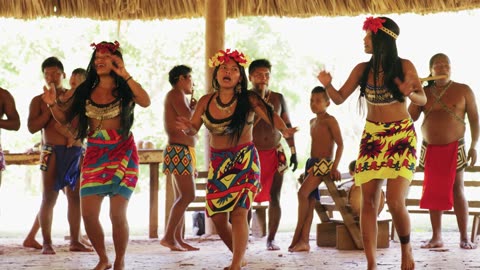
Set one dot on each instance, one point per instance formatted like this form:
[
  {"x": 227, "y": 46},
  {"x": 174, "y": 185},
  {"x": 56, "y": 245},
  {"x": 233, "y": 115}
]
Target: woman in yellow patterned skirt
[{"x": 387, "y": 147}]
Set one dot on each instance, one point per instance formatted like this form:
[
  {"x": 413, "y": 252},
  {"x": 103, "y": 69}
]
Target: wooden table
[{"x": 152, "y": 157}]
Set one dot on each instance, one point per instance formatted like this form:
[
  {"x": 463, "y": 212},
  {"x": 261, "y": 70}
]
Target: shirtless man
[
  {"x": 12, "y": 122},
  {"x": 179, "y": 155},
  {"x": 60, "y": 165},
  {"x": 8, "y": 109},
  {"x": 267, "y": 141},
  {"x": 443, "y": 129}
]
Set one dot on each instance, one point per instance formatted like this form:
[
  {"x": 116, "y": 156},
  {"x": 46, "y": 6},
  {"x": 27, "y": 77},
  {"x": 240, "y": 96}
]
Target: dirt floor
[{"x": 144, "y": 253}]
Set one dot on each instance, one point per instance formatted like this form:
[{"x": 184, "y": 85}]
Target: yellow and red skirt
[{"x": 387, "y": 150}]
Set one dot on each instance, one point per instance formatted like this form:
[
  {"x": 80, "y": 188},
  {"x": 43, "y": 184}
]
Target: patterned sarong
[
  {"x": 387, "y": 150},
  {"x": 110, "y": 166},
  {"x": 317, "y": 167},
  {"x": 67, "y": 164},
  {"x": 233, "y": 178},
  {"x": 179, "y": 159},
  {"x": 441, "y": 163}
]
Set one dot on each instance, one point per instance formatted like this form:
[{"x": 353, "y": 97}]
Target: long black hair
[
  {"x": 85, "y": 89},
  {"x": 385, "y": 57},
  {"x": 239, "y": 117}
]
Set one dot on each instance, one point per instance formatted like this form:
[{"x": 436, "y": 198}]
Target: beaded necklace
[{"x": 226, "y": 107}]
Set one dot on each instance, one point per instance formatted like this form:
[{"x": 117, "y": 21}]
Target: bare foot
[
  {"x": 432, "y": 244},
  {"x": 103, "y": 265},
  {"x": 84, "y": 240},
  {"x": 171, "y": 246},
  {"x": 119, "y": 265},
  {"x": 300, "y": 246},
  {"x": 79, "y": 247},
  {"x": 32, "y": 243},
  {"x": 244, "y": 263},
  {"x": 407, "y": 258},
  {"x": 48, "y": 249},
  {"x": 465, "y": 244},
  {"x": 188, "y": 247},
  {"x": 272, "y": 246}
]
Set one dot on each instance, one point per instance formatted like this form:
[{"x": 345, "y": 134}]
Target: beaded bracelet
[{"x": 128, "y": 79}]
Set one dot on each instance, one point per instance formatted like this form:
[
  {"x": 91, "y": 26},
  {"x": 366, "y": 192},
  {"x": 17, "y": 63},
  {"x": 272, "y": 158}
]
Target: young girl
[{"x": 233, "y": 175}]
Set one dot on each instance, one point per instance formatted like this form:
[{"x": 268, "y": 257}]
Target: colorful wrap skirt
[
  {"x": 179, "y": 159},
  {"x": 233, "y": 178},
  {"x": 387, "y": 150},
  {"x": 110, "y": 166},
  {"x": 67, "y": 164}
]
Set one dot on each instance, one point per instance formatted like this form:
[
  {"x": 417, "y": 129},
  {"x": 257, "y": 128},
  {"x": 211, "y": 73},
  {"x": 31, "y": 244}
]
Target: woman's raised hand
[{"x": 325, "y": 78}]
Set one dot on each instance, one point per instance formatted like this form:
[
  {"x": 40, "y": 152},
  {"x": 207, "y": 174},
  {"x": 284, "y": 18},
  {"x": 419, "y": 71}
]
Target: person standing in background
[
  {"x": 179, "y": 155},
  {"x": 270, "y": 151},
  {"x": 443, "y": 153}
]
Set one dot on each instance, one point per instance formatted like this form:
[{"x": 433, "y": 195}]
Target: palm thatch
[{"x": 175, "y": 9}]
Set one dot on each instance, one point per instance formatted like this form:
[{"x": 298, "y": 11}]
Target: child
[
  {"x": 325, "y": 133},
  {"x": 78, "y": 76}
]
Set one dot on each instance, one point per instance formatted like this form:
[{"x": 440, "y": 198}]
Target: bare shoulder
[
  {"x": 407, "y": 65},
  {"x": 462, "y": 86},
  {"x": 203, "y": 101},
  {"x": 205, "y": 98},
  {"x": 330, "y": 118},
  {"x": 37, "y": 98},
  {"x": 360, "y": 67},
  {"x": 4, "y": 94},
  {"x": 276, "y": 94}
]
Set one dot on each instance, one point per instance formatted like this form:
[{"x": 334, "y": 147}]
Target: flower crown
[
  {"x": 222, "y": 57},
  {"x": 105, "y": 47},
  {"x": 373, "y": 24}
]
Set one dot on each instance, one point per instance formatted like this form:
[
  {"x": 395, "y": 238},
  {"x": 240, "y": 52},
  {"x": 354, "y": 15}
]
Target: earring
[{"x": 238, "y": 89}]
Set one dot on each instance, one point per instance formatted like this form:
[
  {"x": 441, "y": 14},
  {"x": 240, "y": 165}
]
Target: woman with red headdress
[
  {"x": 388, "y": 144},
  {"x": 103, "y": 105},
  {"x": 234, "y": 170}
]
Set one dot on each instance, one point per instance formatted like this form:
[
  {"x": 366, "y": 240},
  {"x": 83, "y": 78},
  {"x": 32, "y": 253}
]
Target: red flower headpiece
[
  {"x": 104, "y": 47},
  {"x": 375, "y": 24},
  {"x": 223, "y": 57}
]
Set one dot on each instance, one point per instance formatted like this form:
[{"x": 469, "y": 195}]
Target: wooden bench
[
  {"x": 413, "y": 200},
  {"x": 198, "y": 205}
]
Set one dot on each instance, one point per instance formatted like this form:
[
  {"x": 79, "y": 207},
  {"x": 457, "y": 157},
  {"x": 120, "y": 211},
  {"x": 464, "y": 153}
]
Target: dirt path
[{"x": 148, "y": 254}]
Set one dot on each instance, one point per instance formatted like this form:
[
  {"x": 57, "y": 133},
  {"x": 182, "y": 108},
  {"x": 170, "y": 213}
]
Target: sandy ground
[
  {"x": 18, "y": 208},
  {"x": 144, "y": 253}
]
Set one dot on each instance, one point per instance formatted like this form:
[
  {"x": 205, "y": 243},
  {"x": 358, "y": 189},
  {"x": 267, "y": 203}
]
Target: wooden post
[
  {"x": 153, "y": 224},
  {"x": 215, "y": 16}
]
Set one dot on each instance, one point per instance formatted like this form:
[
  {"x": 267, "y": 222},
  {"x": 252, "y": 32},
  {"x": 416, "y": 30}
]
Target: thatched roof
[{"x": 174, "y": 9}]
